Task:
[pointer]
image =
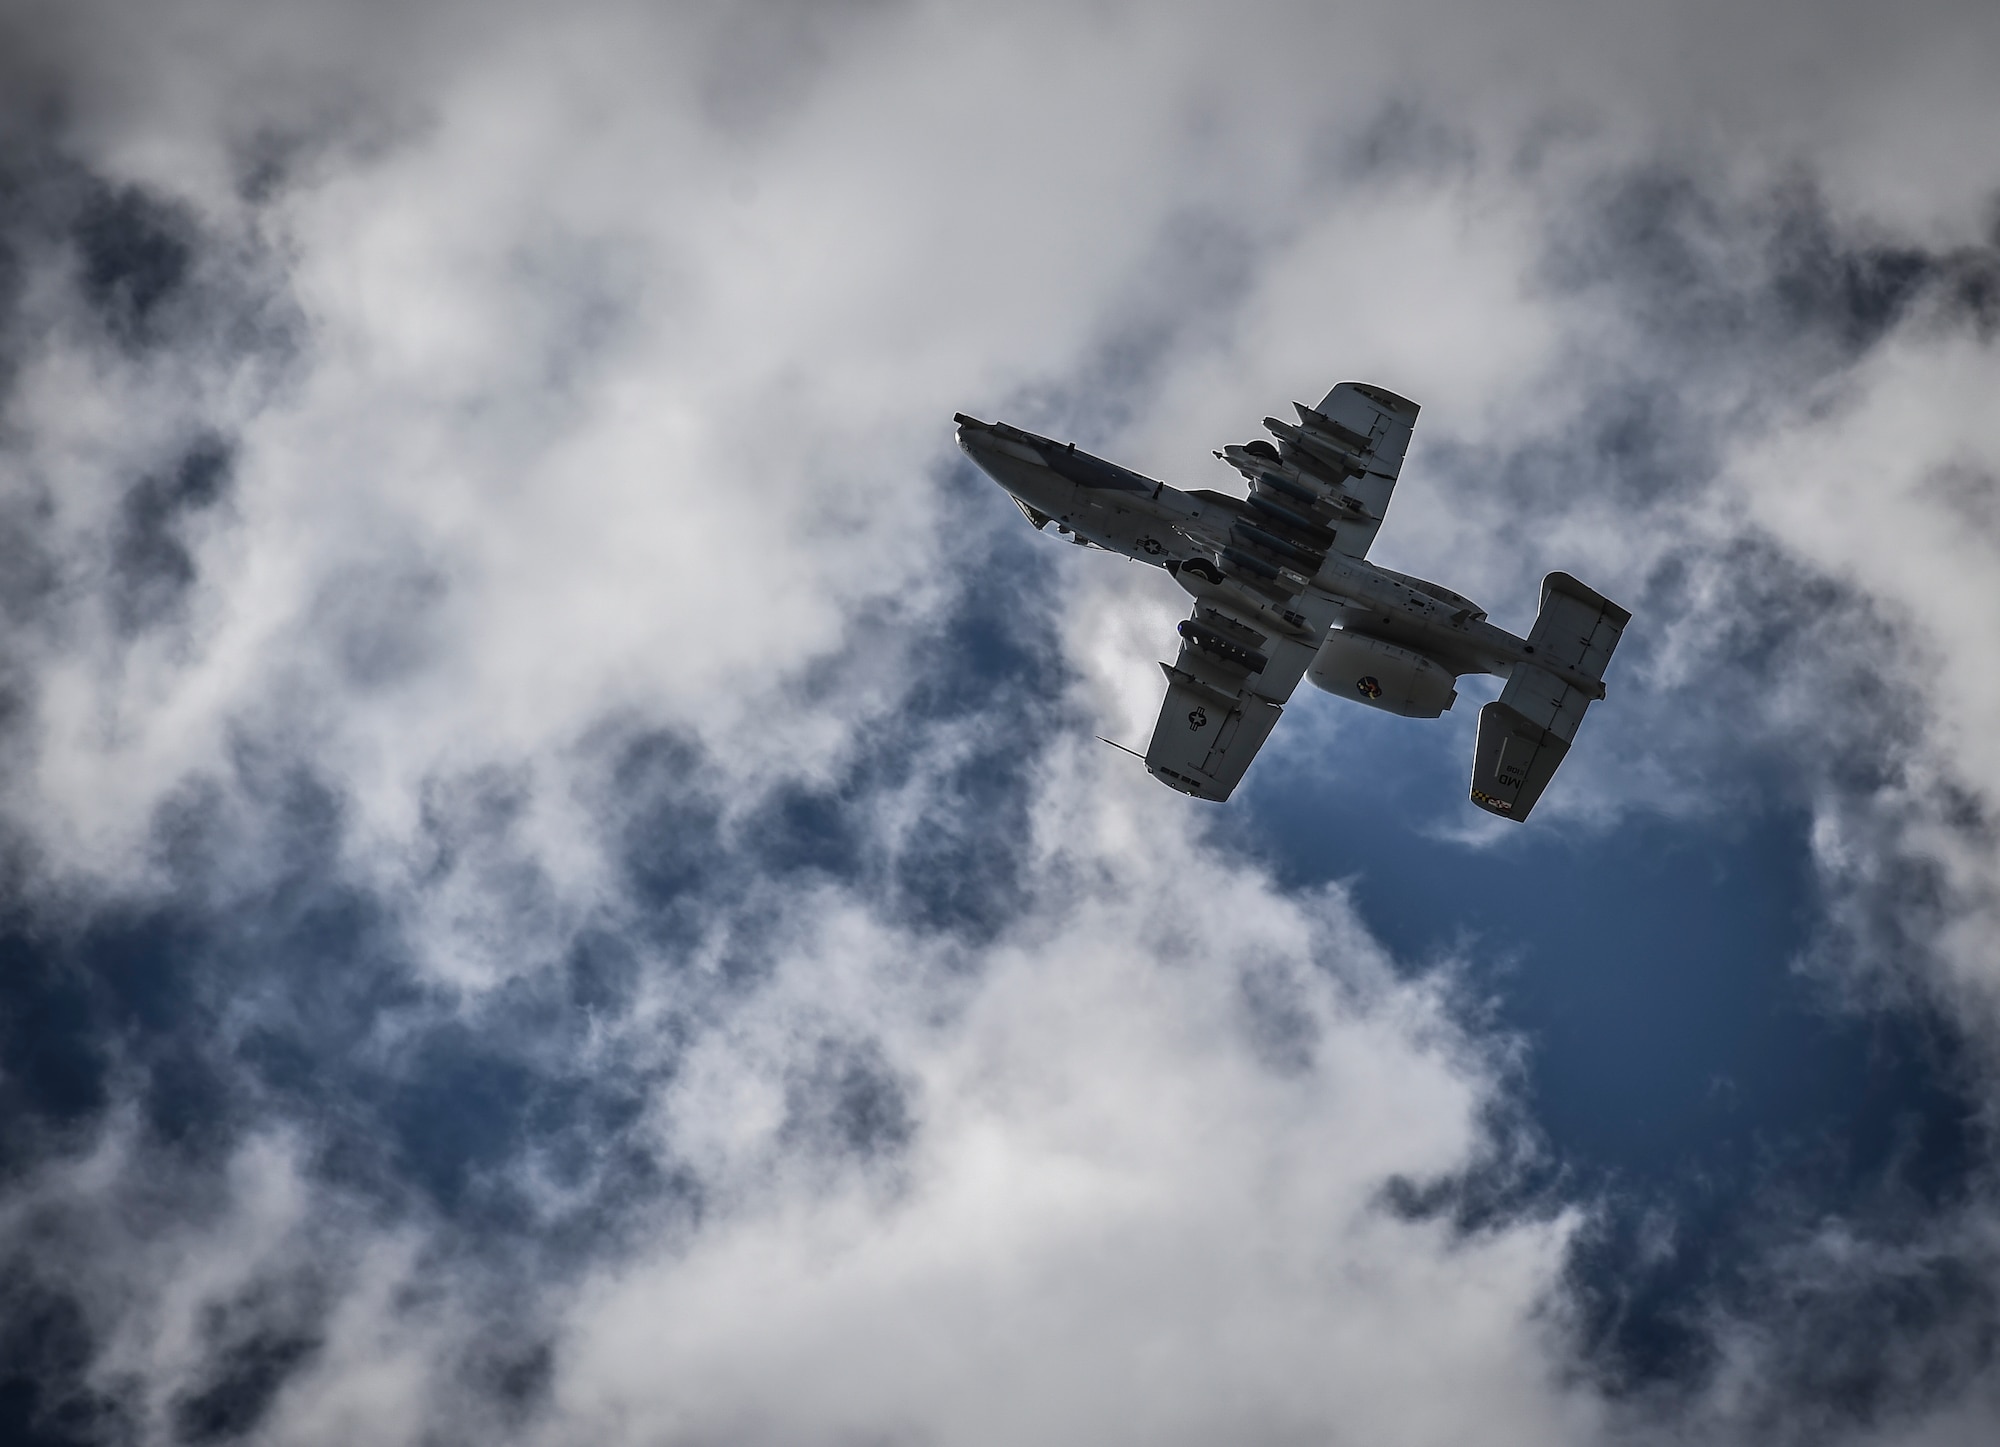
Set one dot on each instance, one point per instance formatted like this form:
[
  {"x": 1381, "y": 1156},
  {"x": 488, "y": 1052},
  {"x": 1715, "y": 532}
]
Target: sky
[{"x": 557, "y": 882}]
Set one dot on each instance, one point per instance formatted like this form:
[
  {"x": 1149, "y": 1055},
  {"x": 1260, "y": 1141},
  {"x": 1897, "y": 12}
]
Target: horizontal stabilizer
[
  {"x": 1577, "y": 626},
  {"x": 1525, "y": 733}
]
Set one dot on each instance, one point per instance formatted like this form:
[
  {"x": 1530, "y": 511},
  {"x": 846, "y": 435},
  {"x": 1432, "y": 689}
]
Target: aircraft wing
[
  {"x": 1257, "y": 625},
  {"x": 1340, "y": 461},
  {"x": 1238, "y": 664}
]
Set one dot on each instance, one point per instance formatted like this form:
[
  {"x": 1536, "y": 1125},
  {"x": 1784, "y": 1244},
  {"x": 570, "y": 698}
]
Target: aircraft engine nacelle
[{"x": 1383, "y": 676}]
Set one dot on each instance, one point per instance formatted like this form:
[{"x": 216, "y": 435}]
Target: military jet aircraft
[{"x": 1282, "y": 590}]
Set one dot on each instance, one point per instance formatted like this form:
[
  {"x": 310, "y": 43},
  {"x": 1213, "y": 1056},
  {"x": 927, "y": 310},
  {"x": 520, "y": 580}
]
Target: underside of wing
[
  {"x": 1333, "y": 471},
  {"x": 1206, "y": 738},
  {"x": 1243, "y": 651},
  {"x": 1257, "y": 623}
]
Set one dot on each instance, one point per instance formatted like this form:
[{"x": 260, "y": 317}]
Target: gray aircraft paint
[{"x": 1283, "y": 590}]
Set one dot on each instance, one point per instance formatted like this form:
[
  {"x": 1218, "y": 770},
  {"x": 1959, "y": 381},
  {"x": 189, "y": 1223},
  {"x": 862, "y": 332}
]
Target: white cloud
[
  {"x": 1120, "y": 1218},
  {"x": 1888, "y": 484},
  {"x": 626, "y": 354}
]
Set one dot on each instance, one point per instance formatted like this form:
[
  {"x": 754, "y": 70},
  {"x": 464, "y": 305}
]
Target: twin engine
[{"x": 1382, "y": 675}]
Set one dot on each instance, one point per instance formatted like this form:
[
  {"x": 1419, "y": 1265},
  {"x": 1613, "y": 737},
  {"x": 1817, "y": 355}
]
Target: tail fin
[{"x": 1524, "y": 734}]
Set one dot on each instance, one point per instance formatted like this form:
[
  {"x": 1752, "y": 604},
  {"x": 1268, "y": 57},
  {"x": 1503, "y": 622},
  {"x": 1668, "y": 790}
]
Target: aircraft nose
[
  {"x": 997, "y": 450},
  {"x": 984, "y": 446},
  {"x": 972, "y": 433}
]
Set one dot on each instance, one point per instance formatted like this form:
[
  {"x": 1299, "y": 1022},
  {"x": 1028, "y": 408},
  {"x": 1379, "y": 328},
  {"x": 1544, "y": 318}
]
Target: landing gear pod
[{"x": 1381, "y": 675}]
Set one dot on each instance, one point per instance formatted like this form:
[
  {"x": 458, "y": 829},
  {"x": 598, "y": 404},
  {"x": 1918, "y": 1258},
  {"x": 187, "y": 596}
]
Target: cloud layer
[{"x": 558, "y": 882}]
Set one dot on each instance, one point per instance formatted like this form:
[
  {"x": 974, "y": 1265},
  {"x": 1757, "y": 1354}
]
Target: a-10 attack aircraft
[{"x": 1283, "y": 589}]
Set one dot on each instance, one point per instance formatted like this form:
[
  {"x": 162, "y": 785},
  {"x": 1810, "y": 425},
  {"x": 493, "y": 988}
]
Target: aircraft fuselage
[{"x": 1189, "y": 534}]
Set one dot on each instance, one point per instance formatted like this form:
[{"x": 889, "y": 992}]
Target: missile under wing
[{"x": 1282, "y": 591}]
